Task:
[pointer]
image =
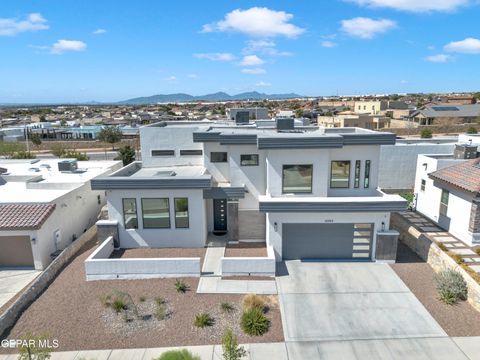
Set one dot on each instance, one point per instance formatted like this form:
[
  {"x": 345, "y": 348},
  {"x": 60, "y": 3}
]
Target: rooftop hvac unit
[
  {"x": 285, "y": 124},
  {"x": 67, "y": 165},
  {"x": 465, "y": 151},
  {"x": 242, "y": 117}
]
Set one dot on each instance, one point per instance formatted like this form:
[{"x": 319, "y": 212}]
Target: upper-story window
[
  {"x": 366, "y": 180},
  {"x": 297, "y": 179},
  {"x": 340, "y": 175},
  {"x": 198, "y": 152},
  {"x": 444, "y": 202},
  {"x": 358, "y": 164},
  {"x": 130, "y": 218},
  {"x": 218, "y": 157},
  {"x": 163, "y": 152},
  {"x": 249, "y": 160}
]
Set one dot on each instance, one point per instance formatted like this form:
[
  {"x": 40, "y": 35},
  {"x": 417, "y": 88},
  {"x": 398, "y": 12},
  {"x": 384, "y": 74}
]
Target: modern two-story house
[{"x": 309, "y": 192}]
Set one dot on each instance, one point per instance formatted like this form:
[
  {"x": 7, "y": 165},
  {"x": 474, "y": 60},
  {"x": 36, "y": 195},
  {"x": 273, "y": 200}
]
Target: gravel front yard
[
  {"x": 159, "y": 253},
  {"x": 457, "y": 320},
  {"x": 71, "y": 311},
  {"x": 246, "y": 249}
]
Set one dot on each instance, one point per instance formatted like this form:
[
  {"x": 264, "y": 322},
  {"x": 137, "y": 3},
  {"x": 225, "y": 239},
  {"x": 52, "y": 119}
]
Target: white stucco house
[
  {"x": 45, "y": 205},
  {"x": 308, "y": 192},
  {"x": 447, "y": 190}
]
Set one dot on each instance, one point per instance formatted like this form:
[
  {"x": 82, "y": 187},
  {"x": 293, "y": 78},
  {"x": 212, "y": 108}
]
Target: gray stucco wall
[
  {"x": 398, "y": 163},
  {"x": 251, "y": 225}
]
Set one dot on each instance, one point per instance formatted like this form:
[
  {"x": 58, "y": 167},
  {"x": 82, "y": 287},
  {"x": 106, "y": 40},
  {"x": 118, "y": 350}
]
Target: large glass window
[
  {"x": 218, "y": 157},
  {"x": 249, "y": 160},
  {"x": 130, "y": 218},
  {"x": 156, "y": 213},
  {"x": 366, "y": 180},
  {"x": 444, "y": 202},
  {"x": 163, "y": 152},
  {"x": 191, "y": 152},
  {"x": 181, "y": 212},
  {"x": 297, "y": 179},
  {"x": 358, "y": 164},
  {"x": 340, "y": 175}
]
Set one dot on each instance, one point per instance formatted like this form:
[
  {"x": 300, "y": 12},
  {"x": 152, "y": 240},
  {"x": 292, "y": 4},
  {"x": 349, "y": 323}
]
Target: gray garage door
[
  {"x": 326, "y": 241},
  {"x": 16, "y": 251}
]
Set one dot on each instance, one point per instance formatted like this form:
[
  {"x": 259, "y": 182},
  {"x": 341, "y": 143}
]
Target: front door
[{"x": 220, "y": 216}]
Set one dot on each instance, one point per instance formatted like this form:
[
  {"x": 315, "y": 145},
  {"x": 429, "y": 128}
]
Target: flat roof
[{"x": 170, "y": 171}]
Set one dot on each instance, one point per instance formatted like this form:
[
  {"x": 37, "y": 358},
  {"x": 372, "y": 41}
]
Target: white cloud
[
  {"x": 251, "y": 60},
  {"x": 257, "y": 22},
  {"x": 215, "y": 56},
  {"x": 254, "y": 71},
  {"x": 467, "y": 46},
  {"x": 99, "y": 32},
  {"x": 414, "y": 5},
  {"x": 192, "y": 76},
  {"x": 62, "y": 46},
  {"x": 328, "y": 44},
  {"x": 431, "y": 47},
  {"x": 439, "y": 58},
  {"x": 403, "y": 81},
  {"x": 263, "y": 84},
  {"x": 170, "y": 78},
  {"x": 266, "y": 47},
  {"x": 13, "y": 26},
  {"x": 366, "y": 28}
]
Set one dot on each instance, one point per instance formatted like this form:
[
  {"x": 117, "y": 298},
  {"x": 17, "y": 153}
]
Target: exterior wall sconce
[
  {"x": 275, "y": 226},
  {"x": 33, "y": 240},
  {"x": 383, "y": 226}
]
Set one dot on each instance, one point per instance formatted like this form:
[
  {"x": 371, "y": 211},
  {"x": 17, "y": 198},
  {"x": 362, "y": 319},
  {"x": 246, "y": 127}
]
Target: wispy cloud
[
  {"x": 62, "y": 46},
  {"x": 14, "y": 26},
  {"x": 192, "y": 76},
  {"x": 170, "y": 78},
  {"x": 263, "y": 84},
  {"x": 215, "y": 56},
  {"x": 266, "y": 47},
  {"x": 414, "y": 5},
  {"x": 254, "y": 71},
  {"x": 466, "y": 46},
  {"x": 258, "y": 22},
  {"x": 328, "y": 44},
  {"x": 251, "y": 60},
  {"x": 439, "y": 58},
  {"x": 366, "y": 28},
  {"x": 99, "y": 32}
]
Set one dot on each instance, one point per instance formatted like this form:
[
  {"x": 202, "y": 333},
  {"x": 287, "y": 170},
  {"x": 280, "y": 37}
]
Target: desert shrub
[
  {"x": 31, "y": 349},
  {"x": 23, "y": 155},
  {"x": 73, "y": 154},
  {"x": 426, "y": 133},
  {"x": 160, "y": 308},
  {"x": 477, "y": 250},
  {"x": 231, "y": 350},
  {"x": 142, "y": 299},
  {"x": 253, "y": 301},
  {"x": 106, "y": 300},
  {"x": 203, "y": 320},
  {"x": 227, "y": 307},
  {"x": 178, "y": 355},
  {"x": 181, "y": 286},
  {"x": 118, "y": 305},
  {"x": 458, "y": 258},
  {"x": 254, "y": 322},
  {"x": 58, "y": 149},
  {"x": 118, "y": 301},
  {"x": 442, "y": 246},
  {"x": 451, "y": 286},
  {"x": 472, "y": 130}
]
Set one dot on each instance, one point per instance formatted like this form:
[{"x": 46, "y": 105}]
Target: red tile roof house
[
  {"x": 447, "y": 188},
  {"x": 44, "y": 206}
]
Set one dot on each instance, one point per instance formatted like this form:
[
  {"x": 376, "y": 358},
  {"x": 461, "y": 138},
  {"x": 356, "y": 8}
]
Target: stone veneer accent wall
[
  {"x": 474, "y": 224},
  {"x": 426, "y": 248}
]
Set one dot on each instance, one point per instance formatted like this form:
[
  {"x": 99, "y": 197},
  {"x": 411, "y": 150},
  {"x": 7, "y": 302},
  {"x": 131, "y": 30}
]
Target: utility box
[
  {"x": 465, "y": 151},
  {"x": 67, "y": 165}
]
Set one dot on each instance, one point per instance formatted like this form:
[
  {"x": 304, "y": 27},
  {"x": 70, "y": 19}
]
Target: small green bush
[
  {"x": 178, "y": 355},
  {"x": 472, "y": 130},
  {"x": 227, "y": 307},
  {"x": 231, "y": 350},
  {"x": 203, "y": 320},
  {"x": 458, "y": 258},
  {"x": 160, "y": 308},
  {"x": 250, "y": 301},
  {"x": 477, "y": 250},
  {"x": 442, "y": 246},
  {"x": 426, "y": 133},
  {"x": 118, "y": 305},
  {"x": 181, "y": 286},
  {"x": 254, "y": 322},
  {"x": 451, "y": 286}
]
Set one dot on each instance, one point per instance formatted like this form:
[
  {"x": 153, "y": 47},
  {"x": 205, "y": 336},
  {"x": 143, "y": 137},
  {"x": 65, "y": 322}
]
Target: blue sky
[{"x": 73, "y": 51}]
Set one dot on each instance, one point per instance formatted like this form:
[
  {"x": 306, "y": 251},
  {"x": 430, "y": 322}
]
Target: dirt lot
[
  {"x": 457, "y": 320},
  {"x": 246, "y": 249},
  {"x": 71, "y": 311}
]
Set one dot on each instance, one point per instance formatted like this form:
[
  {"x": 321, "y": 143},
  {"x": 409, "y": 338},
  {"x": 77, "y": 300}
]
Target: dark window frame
[
  {"x": 349, "y": 173},
  {"x": 191, "y": 152},
  {"x": 357, "y": 171},
  {"x": 253, "y": 155},
  {"x": 123, "y": 212},
  {"x": 366, "y": 179},
  {"x": 218, "y": 152},
  {"x": 175, "y": 213},
  {"x": 423, "y": 182},
  {"x": 297, "y": 192},
  {"x": 161, "y": 153},
  {"x": 157, "y": 227}
]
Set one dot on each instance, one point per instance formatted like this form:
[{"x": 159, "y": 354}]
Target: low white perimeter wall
[
  {"x": 257, "y": 266},
  {"x": 98, "y": 266}
]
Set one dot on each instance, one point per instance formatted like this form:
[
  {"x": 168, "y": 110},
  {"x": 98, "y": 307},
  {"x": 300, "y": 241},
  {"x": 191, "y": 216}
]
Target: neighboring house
[
  {"x": 444, "y": 114},
  {"x": 447, "y": 189},
  {"x": 306, "y": 191},
  {"x": 45, "y": 205},
  {"x": 364, "y": 121},
  {"x": 254, "y": 113},
  {"x": 370, "y": 107}
]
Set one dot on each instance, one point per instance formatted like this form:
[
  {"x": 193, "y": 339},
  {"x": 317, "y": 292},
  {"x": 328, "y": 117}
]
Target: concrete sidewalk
[
  {"x": 14, "y": 280},
  {"x": 443, "y": 348}
]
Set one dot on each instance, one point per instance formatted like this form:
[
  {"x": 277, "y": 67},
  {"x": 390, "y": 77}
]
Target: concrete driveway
[
  {"x": 13, "y": 280},
  {"x": 350, "y": 301}
]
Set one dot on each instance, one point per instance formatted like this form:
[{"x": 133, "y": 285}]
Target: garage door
[
  {"x": 326, "y": 241},
  {"x": 15, "y": 251}
]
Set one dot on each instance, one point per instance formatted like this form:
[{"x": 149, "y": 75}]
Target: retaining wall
[
  {"x": 257, "y": 266},
  {"x": 428, "y": 250}
]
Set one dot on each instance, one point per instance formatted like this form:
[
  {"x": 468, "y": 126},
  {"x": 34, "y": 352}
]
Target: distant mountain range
[{"x": 218, "y": 96}]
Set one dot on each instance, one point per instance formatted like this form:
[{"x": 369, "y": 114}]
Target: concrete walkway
[
  {"x": 212, "y": 263},
  {"x": 215, "y": 285},
  {"x": 464, "y": 348},
  {"x": 14, "y": 280}
]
